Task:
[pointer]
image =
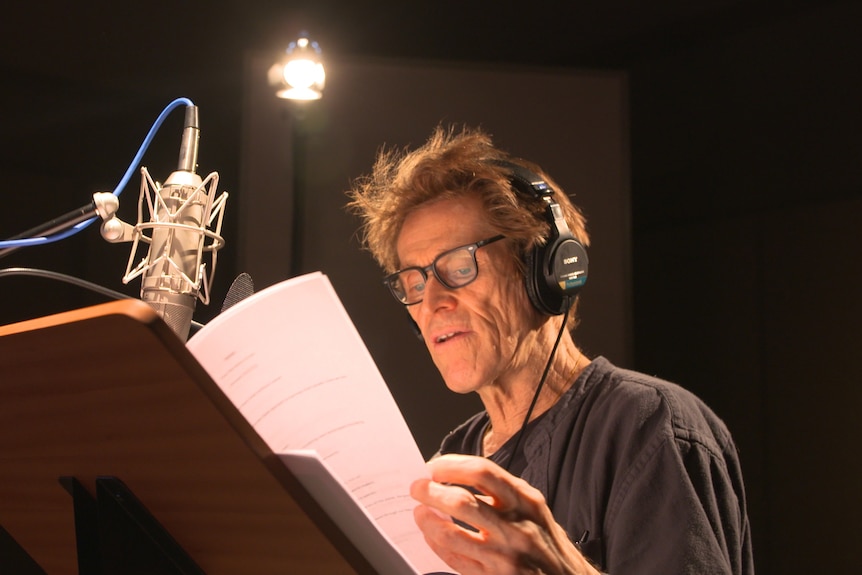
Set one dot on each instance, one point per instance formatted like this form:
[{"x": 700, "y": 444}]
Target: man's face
[{"x": 475, "y": 333}]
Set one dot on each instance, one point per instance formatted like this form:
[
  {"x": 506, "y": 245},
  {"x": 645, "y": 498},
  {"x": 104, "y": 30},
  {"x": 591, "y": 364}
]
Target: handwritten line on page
[{"x": 292, "y": 361}]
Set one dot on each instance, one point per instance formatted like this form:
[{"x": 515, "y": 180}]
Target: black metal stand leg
[
  {"x": 13, "y": 559},
  {"x": 86, "y": 527},
  {"x": 117, "y": 535}
]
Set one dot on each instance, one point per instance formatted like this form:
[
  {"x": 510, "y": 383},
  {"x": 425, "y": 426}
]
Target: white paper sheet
[{"x": 292, "y": 362}]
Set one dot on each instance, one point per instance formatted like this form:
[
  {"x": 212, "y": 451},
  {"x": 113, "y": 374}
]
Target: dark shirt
[{"x": 643, "y": 466}]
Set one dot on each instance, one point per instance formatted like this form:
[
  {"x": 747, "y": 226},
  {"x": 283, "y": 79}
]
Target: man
[{"x": 575, "y": 466}]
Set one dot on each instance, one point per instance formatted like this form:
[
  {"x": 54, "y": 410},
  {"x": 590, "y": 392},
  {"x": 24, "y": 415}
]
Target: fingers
[
  {"x": 456, "y": 545},
  {"x": 511, "y": 496},
  {"x": 473, "y": 501},
  {"x": 454, "y": 502},
  {"x": 466, "y": 550},
  {"x": 473, "y": 537},
  {"x": 501, "y": 524}
]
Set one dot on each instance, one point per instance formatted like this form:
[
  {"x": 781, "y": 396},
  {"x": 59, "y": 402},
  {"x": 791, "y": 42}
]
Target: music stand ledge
[{"x": 110, "y": 391}]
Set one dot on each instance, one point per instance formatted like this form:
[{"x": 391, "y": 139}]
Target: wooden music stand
[{"x": 107, "y": 397}]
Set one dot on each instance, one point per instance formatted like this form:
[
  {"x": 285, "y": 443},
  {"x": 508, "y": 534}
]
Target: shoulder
[{"x": 631, "y": 403}]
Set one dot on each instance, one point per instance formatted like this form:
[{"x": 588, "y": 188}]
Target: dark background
[{"x": 746, "y": 187}]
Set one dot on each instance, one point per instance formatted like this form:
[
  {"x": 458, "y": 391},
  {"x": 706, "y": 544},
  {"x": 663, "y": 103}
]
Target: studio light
[{"x": 299, "y": 75}]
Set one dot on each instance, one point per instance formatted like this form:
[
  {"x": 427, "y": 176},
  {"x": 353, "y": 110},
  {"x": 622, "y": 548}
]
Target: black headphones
[{"x": 557, "y": 269}]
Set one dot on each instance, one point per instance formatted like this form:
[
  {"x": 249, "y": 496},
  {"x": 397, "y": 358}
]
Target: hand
[{"x": 515, "y": 532}]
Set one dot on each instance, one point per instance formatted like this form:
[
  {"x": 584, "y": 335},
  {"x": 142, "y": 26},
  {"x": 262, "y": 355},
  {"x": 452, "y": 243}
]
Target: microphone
[
  {"x": 170, "y": 282},
  {"x": 179, "y": 214}
]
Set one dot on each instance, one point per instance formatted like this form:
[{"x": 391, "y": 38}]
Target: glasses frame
[{"x": 432, "y": 269}]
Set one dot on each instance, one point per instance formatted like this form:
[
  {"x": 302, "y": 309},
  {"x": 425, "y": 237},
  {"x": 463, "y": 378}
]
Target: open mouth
[{"x": 446, "y": 337}]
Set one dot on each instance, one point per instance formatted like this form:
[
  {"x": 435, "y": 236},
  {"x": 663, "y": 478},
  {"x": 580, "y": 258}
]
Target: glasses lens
[
  {"x": 457, "y": 268},
  {"x": 454, "y": 269},
  {"x": 408, "y": 285}
]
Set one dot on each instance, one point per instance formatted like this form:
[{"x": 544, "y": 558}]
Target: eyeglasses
[{"x": 454, "y": 269}]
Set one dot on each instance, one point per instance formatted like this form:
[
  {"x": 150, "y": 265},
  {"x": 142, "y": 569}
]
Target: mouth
[{"x": 446, "y": 336}]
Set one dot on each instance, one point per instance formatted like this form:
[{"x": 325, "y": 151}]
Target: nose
[
  {"x": 435, "y": 290},
  {"x": 437, "y": 296}
]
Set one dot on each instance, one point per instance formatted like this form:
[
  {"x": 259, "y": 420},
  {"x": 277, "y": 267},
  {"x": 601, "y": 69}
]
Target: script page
[{"x": 292, "y": 362}]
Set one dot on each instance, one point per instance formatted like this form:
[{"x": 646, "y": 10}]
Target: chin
[
  {"x": 462, "y": 382},
  {"x": 460, "y": 388},
  {"x": 461, "y": 374}
]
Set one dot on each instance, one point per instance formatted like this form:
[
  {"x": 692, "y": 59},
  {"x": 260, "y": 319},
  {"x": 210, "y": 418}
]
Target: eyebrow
[{"x": 402, "y": 266}]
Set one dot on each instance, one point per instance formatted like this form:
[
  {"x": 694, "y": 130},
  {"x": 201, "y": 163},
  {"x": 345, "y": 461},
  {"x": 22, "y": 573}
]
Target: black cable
[
  {"x": 74, "y": 281},
  {"x": 59, "y": 224},
  {"x": 539, "y": 387},
  {"x": 64, "y": 278}
]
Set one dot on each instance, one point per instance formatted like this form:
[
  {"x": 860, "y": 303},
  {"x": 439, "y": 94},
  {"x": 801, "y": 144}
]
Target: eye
[
  {"x": 416, "y": 288},
  {"x": 461, "y": 273},
  {"x": 458, "y": 268},
  {"x": 413, "y": 284}
]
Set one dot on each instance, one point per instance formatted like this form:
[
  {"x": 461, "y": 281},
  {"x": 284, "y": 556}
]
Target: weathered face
[{"x": 478, "y": 332}]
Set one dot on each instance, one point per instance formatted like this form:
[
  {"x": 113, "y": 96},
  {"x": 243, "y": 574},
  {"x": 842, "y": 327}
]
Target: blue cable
[{"x": 25, "y": 242}]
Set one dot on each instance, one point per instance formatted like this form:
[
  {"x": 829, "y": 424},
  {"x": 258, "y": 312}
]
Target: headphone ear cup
[{"x": 555, "y": 273}]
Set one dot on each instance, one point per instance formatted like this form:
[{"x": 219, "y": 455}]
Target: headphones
[{"x": 557, "y": 269}]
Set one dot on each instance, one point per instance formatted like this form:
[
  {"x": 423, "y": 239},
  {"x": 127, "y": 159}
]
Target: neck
[{"x": 508, "y": 402}]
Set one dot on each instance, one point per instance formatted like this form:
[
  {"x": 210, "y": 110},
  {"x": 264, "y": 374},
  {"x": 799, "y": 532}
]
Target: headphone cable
[{"x": 521, "y": 431}]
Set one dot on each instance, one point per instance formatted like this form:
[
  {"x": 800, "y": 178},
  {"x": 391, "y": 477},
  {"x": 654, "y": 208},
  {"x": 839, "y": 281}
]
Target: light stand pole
[
  {"x": 299, "y": 76},
  {"x": 299, "y": 161}
]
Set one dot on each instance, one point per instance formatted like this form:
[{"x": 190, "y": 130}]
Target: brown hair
[{"x": 449, "y": 165}]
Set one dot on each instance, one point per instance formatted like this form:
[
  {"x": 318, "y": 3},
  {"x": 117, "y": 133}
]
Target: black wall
[{"x": 747, "y": 193}]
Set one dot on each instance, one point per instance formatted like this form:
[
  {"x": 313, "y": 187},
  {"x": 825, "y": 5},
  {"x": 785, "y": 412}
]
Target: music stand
[{"x": 104, "y": 405}]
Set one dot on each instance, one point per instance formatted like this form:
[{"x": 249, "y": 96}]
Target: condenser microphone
[
  {"x": 180, "y": 210},
  {"x": 175, "y": 220}
]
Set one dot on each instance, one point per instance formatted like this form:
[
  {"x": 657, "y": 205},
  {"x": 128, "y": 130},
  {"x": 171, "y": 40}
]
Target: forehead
[{"x": 439, "y": 226}]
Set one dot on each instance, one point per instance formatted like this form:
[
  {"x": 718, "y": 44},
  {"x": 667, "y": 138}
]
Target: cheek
[{"x": 510, "y": 310}]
